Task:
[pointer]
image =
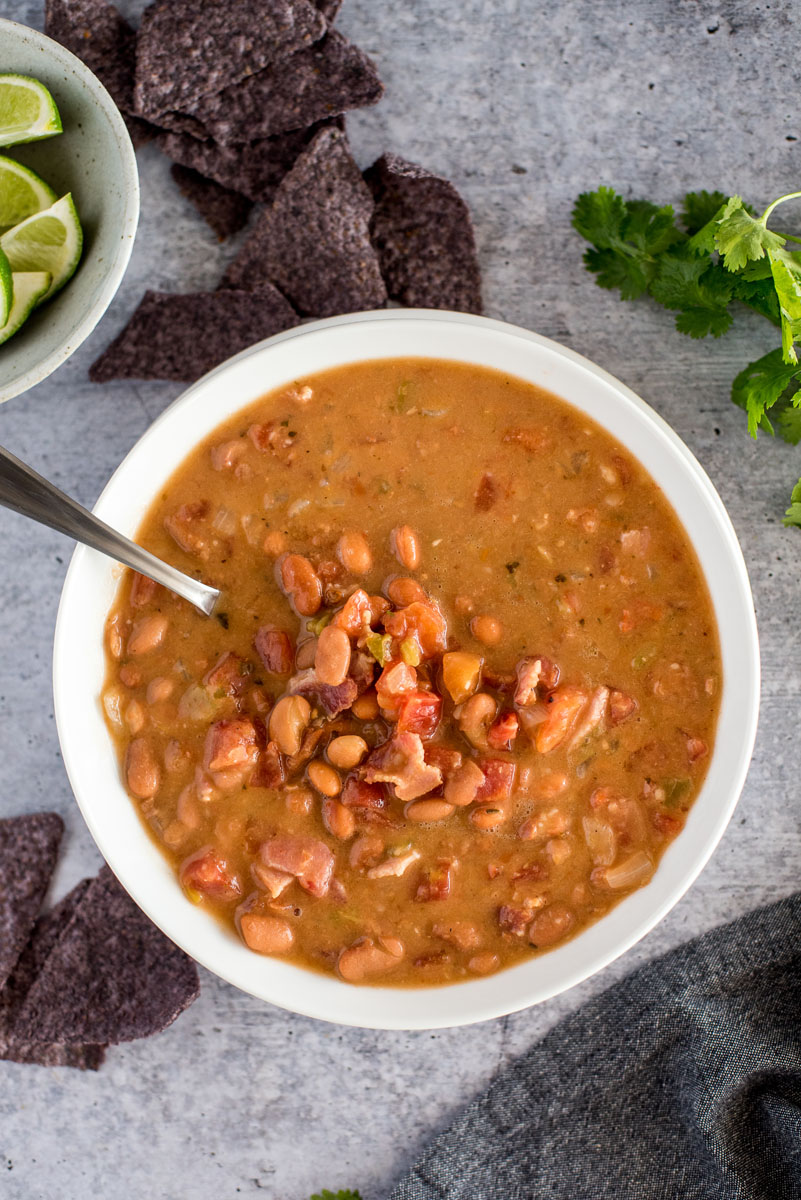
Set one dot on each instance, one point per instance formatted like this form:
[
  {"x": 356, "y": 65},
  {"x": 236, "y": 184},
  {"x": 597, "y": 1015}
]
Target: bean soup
[{"x": 462, "y": 688}]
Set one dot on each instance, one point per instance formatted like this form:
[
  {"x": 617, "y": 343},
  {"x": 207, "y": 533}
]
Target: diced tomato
[
  {"x": 270, "y": 771},
  {"x": 641, "y": 612},
  {"x": 419, "y": 712},
  {"x": 564, "y": 705},
  {"x": 696, "y": 748},
  {"x": 207, "y": 873},
  {"x": 503, "y": 731},
  {"x": 355, "y": 614},
  {"x": 227, "y": 675},
  {"x": 443, "y": 757},
  {"x": 229, "y": 744},
  {"x": 435, "y": 883},
  {"x": 422, "y": 620},
  {"x": 486, "y": 493},
  {"x": 667, "y": 824},
  {"x": 532, "y": 440},
  {"x": 499, "y": 778},
  {"x": 358, "y": 794},
  {"x": 513, "y": 920},
  {"x": 394, "y": 682},
  {"x": 143, "y": 590},
  {"x": 621, "y": 707},
  {"x": 274, "y": 648}
]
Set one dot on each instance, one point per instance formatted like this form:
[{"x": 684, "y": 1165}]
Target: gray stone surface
[{"x": 523, "y": 105}]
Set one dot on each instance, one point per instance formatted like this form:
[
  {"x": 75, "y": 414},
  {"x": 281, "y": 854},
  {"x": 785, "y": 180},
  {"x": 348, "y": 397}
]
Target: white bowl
[
  {"x": 94, "y": 159},
  {"x": 92, "y": 581}
]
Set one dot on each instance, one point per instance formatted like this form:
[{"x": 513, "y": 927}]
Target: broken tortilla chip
[
  {"x": 225, "y": 211},
  {"x": 327, "y": 79},
  {"x": 28, "y": 851},
  {"x": 181, "y": 337},
  {"x": 423, "y": 234},
  {"x": 314, "y": 242},
  {"x": 111, "y": 977},
  {"x": 186, "y": 50}
]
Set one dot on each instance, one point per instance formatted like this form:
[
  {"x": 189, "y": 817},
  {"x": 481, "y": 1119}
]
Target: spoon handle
[{"x": 25, "y": 492}]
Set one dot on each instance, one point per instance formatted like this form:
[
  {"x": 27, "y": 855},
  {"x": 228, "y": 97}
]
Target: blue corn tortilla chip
[
  {"x": 28, "y": 851},
  {"x": 313, "y": 243},
  {"x": 46, "y": 933},
  {"x": 423, "y": 234},
  {"x": 255, "y": 170},
  {"x": 329, "y": 9},
  {"x": 96, "y": 33},
  {"x": 181, "y": 337},
  {"x": 111, "y": 977},
  {"x": 330, "y": 78},
  {"x": 185, "y": 50},
  {"x": 225, "y": 211}
]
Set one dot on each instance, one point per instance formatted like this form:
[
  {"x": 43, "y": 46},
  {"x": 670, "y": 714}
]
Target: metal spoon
[{"x": 25, "y": 492}]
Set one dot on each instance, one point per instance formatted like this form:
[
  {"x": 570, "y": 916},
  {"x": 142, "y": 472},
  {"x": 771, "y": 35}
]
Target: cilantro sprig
[
  {"x": 716, "y": 255},
  {"x": 325, "y": 1194}
]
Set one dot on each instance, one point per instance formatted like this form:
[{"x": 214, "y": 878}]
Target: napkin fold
[{"x": 683, "y": 1082}]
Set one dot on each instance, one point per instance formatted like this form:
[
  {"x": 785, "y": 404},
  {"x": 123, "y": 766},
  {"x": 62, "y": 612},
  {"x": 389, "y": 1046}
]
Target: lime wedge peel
[
  {"x": 29, "y": 288},
  {"x": 50, "y": 241},
  {"x": 22, "y": 193},
  {"x": 28, "y": 112},
  {"x": 6, "y": 289}
]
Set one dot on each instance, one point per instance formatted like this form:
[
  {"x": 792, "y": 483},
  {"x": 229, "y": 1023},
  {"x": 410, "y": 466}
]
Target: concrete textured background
[{"x": 522, "y": 104}]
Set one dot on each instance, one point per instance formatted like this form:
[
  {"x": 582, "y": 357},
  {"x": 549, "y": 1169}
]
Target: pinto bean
[
  {"x": 338, "y": 820},
  {"x": 141, "y": 769},
  {"x": 353, "y": 551},
  {"x": 130, "y": 675},
  {"x": 488, "y": 818},
  {"x": 301, "y": 583},
  {"x": 135, "y": 717},
  {"x": 428, "y": 810},
  {"x": 147, "y": 634},
  {"x": 364, "y": 958},
  {"x": 406, "y": 546},
  {"x": 324, "y": 778},
  {"x": 288, "y": 721},
  {"x": 486, "y": 629},
  {"x": 475, "y": 718},
  {"x": 463, "y": 784},
  {"x": 159, "y": 689},
  {"x": 483, "y": 964},
  {"x": 266, "y": 935},
  {"x": 550, "y": 925},
  {"x": 365, "y": 707},
  {"x": 332, "y": 656},
  {"x": 347, "y": 751},
  {"x": 403, "y": 591},
  {"x": 306, "y": 654}
]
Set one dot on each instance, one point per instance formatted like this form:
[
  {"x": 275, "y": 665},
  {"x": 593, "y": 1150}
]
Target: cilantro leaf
[
  {"x": 345, "y": 1194},
  {"x": 741, "y": 238},
  {"x": 700, "y": 208},
  {"x": 627, "y": 239},
  {"x": 759, "y": 294},
  {"x": 700, "y": 289},
  {"x": 785, "y": 266},
  {"x": 761, "y": 384},
  {"x": 698, "y": 322},
  {"x": 613, "y": 270},
  {"x": 598, "y": 217},
  {"x": 793, "y": 514},
  {"x": 788, "y": 423}
]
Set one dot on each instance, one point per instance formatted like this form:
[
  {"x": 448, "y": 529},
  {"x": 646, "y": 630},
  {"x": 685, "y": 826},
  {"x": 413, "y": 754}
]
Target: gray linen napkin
[{"x": 683, "y": 1082}]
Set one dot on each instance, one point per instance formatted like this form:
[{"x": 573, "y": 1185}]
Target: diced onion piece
[
  {"x": 224, "y": 521},
  {"x": 633, "y": 871},
  {"x": 111, "y": 703},
  {"x": 196, "y": 704},
  {"x": 600, "y": 839}
]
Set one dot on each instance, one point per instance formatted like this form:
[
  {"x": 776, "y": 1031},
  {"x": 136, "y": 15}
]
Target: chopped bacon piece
[
  {"x": 513, "y": 920},
  {"x": 331, "y": 698},
  {"x": 422, "y": 620},
  {"x": 229, "y": 744},
  {"x": 270, "y": 771},
  {"x": 419, "y": 712},
  {"x": 358, "y": 794},
  {"x": 143, "y": 590},
  {"x": 667, "y": 824},
  {"x": 207, "y": 873},
  {"x": 486, "y": 493},
  {"x": 532, "y": 872},
  {"x": 461, "y": 934},
  {"x": 227, "y": 675},
  {"x": 533, "y": 674},
  {"x": 532, "y": 440},
  {"x": 274, "y": 882},
  {"x": 401, "y": 762},
  {"x": 435, "y": 882},
  {"x": 564, "y": 705},
  {"x": 606, "y": 559},
  {"x": 309, "y": 742},
  {"x": 270, "y": 438},
  {"x": 443, "y": 757},
  {"x": 362, "y": 670},
  {"x": 499, "y": 777},
  {"x": 502, "y": 681},
  {"x": 307, "y": 858},
  {"x": 696, "y": 748},
  {"x": 503, "y": 731},
  {"x": 621, "y": 707},
  {"x": 182, "y": 528},
  {"x": 395, "y": 865},
  {"x": 636, "y": 541},
  {"x": 592, "y": 717},
  {"x": 274, "y": 648},
  {"x": 603, "y": 796}
]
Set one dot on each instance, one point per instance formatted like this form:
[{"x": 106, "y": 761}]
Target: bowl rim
[
  {"x": 81, "y": 329},
  {"x": 307, "y": 993}
]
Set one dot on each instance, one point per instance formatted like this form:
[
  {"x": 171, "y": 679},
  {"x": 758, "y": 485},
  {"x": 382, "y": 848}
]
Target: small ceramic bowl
[
  {"x": 91, "y": 583},
  {"x": 94, "y": 159}
]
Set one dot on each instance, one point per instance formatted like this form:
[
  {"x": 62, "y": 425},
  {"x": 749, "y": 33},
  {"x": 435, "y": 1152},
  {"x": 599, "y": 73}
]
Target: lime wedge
[
  {"x": 50, "y": 240},
  {"x": 22, "y": 193},
  {"x": 29, "y": 288},
  {"x": 28, "y": 112},
  {"x": 6, "y": 289}
]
